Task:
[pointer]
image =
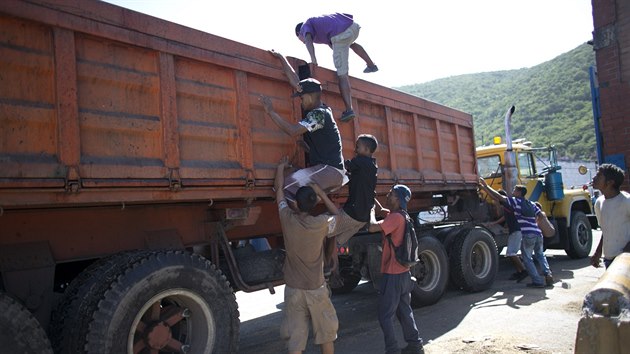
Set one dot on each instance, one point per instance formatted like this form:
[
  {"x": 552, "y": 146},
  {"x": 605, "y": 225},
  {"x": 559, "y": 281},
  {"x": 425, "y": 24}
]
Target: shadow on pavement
[{"x": 357, "y": 312}]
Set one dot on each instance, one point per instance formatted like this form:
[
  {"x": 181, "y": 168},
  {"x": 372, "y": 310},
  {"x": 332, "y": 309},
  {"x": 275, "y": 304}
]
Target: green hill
[{"x": 552, "y": 99}]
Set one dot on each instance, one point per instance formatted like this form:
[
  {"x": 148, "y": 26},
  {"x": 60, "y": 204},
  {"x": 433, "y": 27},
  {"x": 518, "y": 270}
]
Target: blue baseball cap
[{"x": 403, "y": 193}]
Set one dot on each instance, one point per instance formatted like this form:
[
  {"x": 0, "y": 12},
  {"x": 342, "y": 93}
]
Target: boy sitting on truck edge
[
  {"x": 306, "y": 296},
  {"x": 355, "y": 213},
  {"x": 394, "y": 296},
  {"x": 321, "y": 135}
]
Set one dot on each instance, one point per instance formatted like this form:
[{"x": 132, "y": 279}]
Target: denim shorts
[{"x": 514, "y": 243}]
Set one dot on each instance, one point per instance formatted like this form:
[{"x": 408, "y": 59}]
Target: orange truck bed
[
  {"x": 104, "y": 109},
  {"x": 100, "y": 104}
]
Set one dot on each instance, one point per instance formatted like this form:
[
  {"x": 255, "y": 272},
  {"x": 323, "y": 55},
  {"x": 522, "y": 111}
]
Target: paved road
[{"x": 499, "y": 320}]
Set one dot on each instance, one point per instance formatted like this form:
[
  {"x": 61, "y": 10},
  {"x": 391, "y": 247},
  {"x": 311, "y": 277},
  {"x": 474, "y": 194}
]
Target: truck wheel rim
[
  {"x": 426, "y": 272},
  {"x": 479, "y": 259},
  {"x": 176, "y": 320},
  {"x": 582, "y": 234}
]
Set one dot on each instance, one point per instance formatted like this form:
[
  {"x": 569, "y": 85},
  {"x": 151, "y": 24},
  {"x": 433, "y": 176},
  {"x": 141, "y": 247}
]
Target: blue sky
[{"x": 411, "y": 41}]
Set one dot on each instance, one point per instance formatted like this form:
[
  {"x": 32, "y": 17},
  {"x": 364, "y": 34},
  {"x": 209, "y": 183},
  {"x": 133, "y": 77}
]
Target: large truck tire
[
  {"x": 260, "y": 267},
  {"x": 162, "y": 301},
  {"x": 474, "y": 260},
  {"x": 373, "y": 258},
  {"x": 20, "y": 332},
  {"x": 70, "y": 319},
  {"x": 431, "y": 272},
  {"x": 580, "y": 236}
]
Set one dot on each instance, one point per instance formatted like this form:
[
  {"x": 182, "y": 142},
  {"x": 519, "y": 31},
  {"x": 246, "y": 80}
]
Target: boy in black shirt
[{"x": 356, "y": 211}]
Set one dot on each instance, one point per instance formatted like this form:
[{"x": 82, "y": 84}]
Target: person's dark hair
[
  {"x": 298, "y": 27},
  {"x": 502, "y": 192},
  {"x": 612, "y": 173},
  {"x": 369, "y": 141},
  {"x": 521, "y": 188},
  {"x": 306, "y": 199}
]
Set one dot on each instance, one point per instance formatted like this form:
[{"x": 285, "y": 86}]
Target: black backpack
[{"x": 407, "y": 252}]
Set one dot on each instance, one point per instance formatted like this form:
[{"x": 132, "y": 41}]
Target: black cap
[{"x": 309, "y": 86}]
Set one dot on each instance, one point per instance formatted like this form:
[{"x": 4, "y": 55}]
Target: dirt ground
[{"x": 508, "y": 318}]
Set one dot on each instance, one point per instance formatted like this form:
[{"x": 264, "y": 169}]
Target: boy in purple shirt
[{"x": 339, "y": 31}]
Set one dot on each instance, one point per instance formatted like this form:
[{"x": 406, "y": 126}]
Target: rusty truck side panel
[{"x": 103, "y": 109}]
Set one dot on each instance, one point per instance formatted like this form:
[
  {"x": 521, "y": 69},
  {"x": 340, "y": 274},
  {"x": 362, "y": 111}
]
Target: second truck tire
[
  {"x": 474, "y": 260},
  {"x": 431, "y": 272}
]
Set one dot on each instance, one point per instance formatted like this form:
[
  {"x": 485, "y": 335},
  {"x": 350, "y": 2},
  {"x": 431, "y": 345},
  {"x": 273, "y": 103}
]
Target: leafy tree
[{"x": 552, "y": 99}]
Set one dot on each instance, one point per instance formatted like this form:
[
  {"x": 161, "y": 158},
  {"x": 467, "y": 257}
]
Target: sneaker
[
  {"x": 413, "y": 348},
  {"x": 549, "y": 280},
  {"x": 534, "y": 285},
  {"x": 347, "y": 116},
  {"x": 370, "y": 69}
]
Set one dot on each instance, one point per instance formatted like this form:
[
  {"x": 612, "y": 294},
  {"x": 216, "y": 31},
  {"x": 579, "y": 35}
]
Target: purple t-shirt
[{"x": 324, "y": 27}]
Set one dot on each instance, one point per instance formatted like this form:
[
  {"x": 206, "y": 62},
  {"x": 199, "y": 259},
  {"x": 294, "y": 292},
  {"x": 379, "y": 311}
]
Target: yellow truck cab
[{"x": 568, "y": 209}]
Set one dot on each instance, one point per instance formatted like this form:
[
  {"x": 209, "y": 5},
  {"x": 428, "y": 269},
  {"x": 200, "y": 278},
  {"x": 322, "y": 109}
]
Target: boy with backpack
[{"x": 394, "y": 299}]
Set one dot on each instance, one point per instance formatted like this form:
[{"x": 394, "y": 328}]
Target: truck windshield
[
  {"x": 526, "y": 165},
  {"x": 489, "y": 166}
]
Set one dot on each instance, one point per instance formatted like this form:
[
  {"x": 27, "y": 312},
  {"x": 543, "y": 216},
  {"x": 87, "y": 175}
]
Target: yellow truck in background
[{"x": 505, "y": 164}]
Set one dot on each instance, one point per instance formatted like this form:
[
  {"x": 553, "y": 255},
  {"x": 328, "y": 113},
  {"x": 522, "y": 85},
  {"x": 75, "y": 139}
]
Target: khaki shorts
[
  {"x": 341, "y": 47},
  {"x": 327, "y": 177},
  {"x": 303, "y": 306},
  {"x": 345, "y": 227}
]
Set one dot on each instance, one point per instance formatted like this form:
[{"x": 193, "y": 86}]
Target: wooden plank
[
  {"x": 391, "y": 143},
  {"x": 69, "y": 140},
  {"x": 439, "y": 146},
  {"x": 168, "y": 111},
  {"x": 419, "y": 155},
  {"x": 458, "y": 145},
  {"x": 243, "y": 122}
]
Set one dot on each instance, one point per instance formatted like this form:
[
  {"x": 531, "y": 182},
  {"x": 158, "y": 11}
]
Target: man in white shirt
[{"x": 612, "y": 209}]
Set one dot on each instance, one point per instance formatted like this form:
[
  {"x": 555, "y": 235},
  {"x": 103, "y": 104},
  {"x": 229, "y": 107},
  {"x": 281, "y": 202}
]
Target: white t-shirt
[{"x": 613, "y": 215}]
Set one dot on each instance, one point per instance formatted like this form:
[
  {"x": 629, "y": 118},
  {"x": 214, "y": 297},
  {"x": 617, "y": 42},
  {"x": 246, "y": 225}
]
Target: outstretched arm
[
  {"x": 375, "y": 226},
  {"x": 279, "y": 181},
  {"x": 491, "y": 192},
  {"x": 292, "y": 129},
  {"x": 308, "y": 40},
  {"x": 330, "y": 206},
  {"x": 294, "y": 80}
]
